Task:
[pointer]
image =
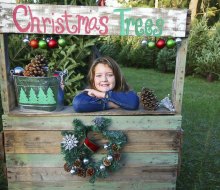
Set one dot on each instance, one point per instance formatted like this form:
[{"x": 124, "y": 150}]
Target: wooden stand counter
[
  {"x": 150, "y": 159},
  {"x": 32, "y": 139}
]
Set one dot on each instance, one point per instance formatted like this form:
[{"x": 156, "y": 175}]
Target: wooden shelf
[{"x": 68, "y": 111}]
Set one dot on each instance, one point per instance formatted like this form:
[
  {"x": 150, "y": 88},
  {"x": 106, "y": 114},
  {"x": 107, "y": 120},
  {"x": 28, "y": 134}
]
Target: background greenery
[{"x": 200, "y": 168}]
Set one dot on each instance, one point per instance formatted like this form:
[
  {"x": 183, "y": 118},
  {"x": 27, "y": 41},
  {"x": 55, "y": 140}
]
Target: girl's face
[{"x": 104, "y": 79}]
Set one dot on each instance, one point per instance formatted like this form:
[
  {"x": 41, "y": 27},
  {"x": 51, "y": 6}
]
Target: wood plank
[
  {"x": 7, "y": 88},
  {"x": 57, "y": 160},
  {"x": 138, "y": 141},
  {"x": 177, "y": 91},
  {"x": 73, "y": 185},
  {"x": 63, "y": 19},
  {"x": 47, "y": 122},
  {"x": 58, "y": 174},
  {"x": 68, "y": 110},
  {"x": 2, "y": 150}
]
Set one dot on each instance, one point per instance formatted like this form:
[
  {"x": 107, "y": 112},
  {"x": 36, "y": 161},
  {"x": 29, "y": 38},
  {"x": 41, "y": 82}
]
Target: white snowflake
[{"x": 69, "y": 142}]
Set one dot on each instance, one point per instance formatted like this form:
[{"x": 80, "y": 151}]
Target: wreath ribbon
[{"x": 91, "y": 145}]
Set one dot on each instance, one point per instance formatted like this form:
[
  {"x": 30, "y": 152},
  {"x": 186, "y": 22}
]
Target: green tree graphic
[
  {"x": 23, "y": 97},
  {"x": 42, "y": 98},
  {"x": 50, "y": 96},
  {"x": 33, "y": 98}
]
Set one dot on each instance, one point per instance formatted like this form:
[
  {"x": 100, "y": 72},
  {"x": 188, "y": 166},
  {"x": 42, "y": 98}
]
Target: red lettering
[
  {"x": 59, "y": 29},
  {"x": 93, "y": 24},
  {"x": 103, "y": 21},
  {"x": 63, "y": 24},
  {"x": 84, "y": 21},
  {"x": 45, "y": 20},
  {"x": 66, "y": 16},
  {"x": 15, "y": 11},
  {"x": 33, "y": 19}
]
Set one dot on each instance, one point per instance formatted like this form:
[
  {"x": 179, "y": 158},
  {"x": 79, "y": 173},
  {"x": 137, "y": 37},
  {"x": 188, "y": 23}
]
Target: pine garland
[{"x": 78, "y": 149}]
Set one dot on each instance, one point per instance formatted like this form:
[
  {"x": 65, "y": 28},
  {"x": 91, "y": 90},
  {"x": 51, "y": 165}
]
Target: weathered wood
[
  {"x": 68, "y": 110},
  {"x": 47, "y": 174},
  {"x": 65, "y": 122},
  {"x": 177, "y": 94},
  {"x": 2, "y": 150},
  {"x": 49, "y": 141},
  {"x": 88, "y": 20},
  {"x": 2, "y": 156},
  {"x": 7, "y": 88},
  {"x": 57, "y": 160},
  {"x": 73, "y": 185}
]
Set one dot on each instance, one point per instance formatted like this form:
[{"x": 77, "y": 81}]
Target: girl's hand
[{"x": 95, "y": 93}]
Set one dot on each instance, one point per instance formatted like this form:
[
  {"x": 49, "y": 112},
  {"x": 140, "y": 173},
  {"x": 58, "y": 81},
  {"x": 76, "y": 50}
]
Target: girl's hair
[{"x": 120, "y": 83}]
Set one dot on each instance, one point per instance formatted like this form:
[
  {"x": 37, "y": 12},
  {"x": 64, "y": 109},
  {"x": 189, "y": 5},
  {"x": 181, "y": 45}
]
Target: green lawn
[{"x": 200, "y": 167}]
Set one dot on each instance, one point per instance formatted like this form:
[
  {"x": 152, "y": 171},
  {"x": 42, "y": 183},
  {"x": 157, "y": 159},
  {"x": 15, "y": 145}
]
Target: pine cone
[
  {"x": 67, "y": 168},
  {"x": 106, "y": 162},
  {"x": 81, "y": 172},
  {"x": 36, "y": 67},
  {"x": 90, "y": 171},
  {"x": 148, "y": 99}
]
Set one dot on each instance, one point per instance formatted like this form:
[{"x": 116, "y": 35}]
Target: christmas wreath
[{"x": 78, "y": 149}]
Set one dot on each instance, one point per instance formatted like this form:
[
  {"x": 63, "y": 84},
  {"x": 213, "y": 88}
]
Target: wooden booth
[{"x": 32, "y": 139}]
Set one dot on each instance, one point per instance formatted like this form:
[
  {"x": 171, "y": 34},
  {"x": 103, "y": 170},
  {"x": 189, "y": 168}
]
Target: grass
[{"x": 200, "y": 167}]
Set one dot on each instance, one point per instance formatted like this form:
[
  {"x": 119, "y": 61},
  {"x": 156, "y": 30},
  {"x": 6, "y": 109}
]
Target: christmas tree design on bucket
[{"x": 39, "y": 98}]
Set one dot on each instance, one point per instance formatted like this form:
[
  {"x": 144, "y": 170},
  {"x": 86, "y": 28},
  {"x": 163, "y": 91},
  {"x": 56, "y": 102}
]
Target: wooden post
[
  {"x": 2, "y": 154},
  {"x": 7, "y": 87},
  {"x": 177, "y": 93}
]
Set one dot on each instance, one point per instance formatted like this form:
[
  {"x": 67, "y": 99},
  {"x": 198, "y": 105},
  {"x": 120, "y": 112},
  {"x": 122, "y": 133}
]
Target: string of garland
[{"x": 78, "y": 149}]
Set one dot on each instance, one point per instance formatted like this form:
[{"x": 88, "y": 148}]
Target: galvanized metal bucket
[{"x": 37, "y": 93}]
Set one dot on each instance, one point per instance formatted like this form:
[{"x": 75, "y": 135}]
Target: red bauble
[
  {"x": 33, "y": 43},
  {"x": 161, "y": 43},
  {"x": 52, "y": 43}
]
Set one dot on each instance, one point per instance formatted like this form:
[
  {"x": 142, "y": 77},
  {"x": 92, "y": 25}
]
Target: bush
[
  {"x": 128, "y": 51},
  {"x": 197, "y": 41},
  {"x": 166, "y": 60},
  {"x": 208, "y": 63}
]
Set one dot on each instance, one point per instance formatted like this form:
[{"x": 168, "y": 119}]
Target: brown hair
[{"x": 120, "y": 83}]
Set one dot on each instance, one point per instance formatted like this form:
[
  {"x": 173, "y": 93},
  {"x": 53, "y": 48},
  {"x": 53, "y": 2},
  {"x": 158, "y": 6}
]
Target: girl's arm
[
  {"x": 126, "y": 100},
  {"x": 87, "y": 102}
]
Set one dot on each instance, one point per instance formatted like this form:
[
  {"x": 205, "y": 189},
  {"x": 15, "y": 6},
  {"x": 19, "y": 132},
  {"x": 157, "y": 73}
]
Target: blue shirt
[{"x": 85, "y": 103}]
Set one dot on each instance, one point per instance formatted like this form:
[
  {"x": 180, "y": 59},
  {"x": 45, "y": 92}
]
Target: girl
[{"x": 107, "y": 89}]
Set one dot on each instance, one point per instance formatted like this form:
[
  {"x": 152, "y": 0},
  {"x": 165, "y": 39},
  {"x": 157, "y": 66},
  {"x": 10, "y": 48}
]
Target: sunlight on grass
[
  {"x": 159, "y": 82},
  {"x": 200, "y": 167}
]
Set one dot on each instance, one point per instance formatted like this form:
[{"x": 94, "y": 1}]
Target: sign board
[{"x": 92, "y": 20}]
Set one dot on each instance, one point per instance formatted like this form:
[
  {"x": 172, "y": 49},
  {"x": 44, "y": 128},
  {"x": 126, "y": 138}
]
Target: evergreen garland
[{"x": 78, "y": 149}]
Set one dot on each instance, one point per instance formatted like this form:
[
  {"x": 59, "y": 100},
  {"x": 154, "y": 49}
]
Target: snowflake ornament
[{"x": 69, "y": 142}]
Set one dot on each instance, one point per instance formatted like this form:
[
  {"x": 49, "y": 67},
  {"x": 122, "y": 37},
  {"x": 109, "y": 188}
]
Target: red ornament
[
  {"x": 52, "y": 43},
  {"x": 33, "y": 43},
  {"x": 161, "y": 43}
]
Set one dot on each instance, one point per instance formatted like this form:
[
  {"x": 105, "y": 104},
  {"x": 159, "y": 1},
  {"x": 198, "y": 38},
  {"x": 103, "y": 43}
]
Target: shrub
[
  {"x": 128, "y": 51},
  {"x": 197, "y": 41},
  {"x": 166, "y": 60},
  {"x": 208, "y": 62}
]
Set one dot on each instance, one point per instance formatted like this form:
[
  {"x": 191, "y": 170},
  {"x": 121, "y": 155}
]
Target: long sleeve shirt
[{"x": 85, "y": 103}]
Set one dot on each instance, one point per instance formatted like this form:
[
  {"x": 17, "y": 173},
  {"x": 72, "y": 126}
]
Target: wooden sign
[{"x": 91, "y": 20}]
